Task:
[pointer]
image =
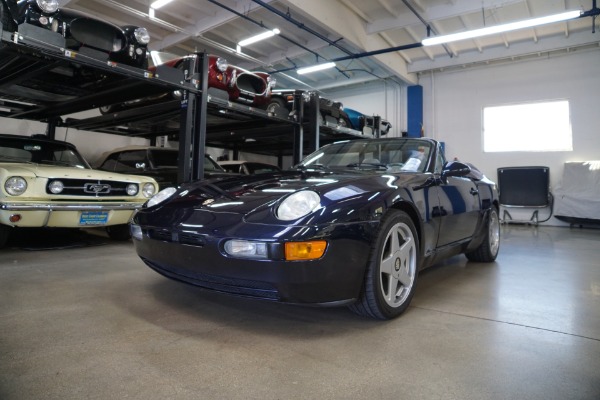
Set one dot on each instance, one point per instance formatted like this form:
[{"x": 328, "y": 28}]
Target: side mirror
[{"x": 455, "y": 168}]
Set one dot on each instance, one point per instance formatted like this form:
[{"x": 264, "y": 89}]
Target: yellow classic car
[{"x": 47, "y": 183}]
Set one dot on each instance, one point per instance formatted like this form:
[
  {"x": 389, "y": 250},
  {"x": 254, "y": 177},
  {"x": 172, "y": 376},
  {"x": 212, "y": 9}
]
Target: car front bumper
[
  {"x": 334, "y": 279},
  {"x": 62, "y": 215}
]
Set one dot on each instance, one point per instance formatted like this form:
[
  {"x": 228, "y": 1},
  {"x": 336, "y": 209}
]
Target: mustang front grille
[{"x": 91, "y": 188}]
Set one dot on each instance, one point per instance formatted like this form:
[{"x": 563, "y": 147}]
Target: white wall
[{"x": 454, "y": 100}]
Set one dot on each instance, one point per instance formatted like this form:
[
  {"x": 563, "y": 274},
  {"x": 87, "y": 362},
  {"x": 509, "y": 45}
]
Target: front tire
[
  {"x": 391, "y": 276},
  {"x": 278, "y": 108},
  {"x": 118, "y": 232},
  {"x": 488, "y": 249}
]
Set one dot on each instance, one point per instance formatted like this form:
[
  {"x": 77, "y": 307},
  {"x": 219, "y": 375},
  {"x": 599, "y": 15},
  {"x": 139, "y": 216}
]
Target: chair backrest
[{"x": 524, "y": 186}]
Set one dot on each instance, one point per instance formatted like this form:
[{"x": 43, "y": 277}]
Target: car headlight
[
  {"x": 48, "y": 6},
  {"x": 15, "y": 186},
  {"x": 141, "y": 35},
  {"x": 132, "y": 189},
  {"x": 298, "y": 205},
  {"x": 161, "y": 196},
  {"x": 148, "y": 190},
  {"x": 56, "y": 187},
  {"x": 222, "y": 64}
]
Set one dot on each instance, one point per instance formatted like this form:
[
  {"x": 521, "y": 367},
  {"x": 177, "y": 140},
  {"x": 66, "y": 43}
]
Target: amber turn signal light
[{"x": 305, "y": 250}]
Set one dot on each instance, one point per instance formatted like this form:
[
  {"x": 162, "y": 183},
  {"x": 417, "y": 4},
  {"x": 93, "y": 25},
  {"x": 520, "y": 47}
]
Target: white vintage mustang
[{"x": 47, "y": 183}]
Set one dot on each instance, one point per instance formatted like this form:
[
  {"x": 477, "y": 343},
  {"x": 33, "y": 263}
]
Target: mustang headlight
[
  {"x": 298, "y": 205},
  {"x": 48, "y": 6},
  {"x": 222, "y": 64},
  {"x": 141, "y": 35},
  {"x": 132, "y": 189},
  {"x": 56, "y": 187},
  {"x": 161, "y": 196},
  {"x": 15, "y": 186},
  {"x": 148, "y": 190}
]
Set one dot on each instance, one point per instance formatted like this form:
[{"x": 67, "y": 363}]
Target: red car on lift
[{"x": 241, "y": 86}]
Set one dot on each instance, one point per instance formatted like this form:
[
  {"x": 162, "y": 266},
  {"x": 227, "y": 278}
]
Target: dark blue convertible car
[{"x": 352, "y": 224}]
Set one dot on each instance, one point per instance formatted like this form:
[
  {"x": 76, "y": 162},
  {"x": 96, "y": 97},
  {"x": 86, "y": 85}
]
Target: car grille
[
  {"x": 91, "y": 188},
  {"x": 189, "y": 238},
  {"x": 239, "y": 287}
]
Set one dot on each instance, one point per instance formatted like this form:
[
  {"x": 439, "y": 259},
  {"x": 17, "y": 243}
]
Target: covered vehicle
[
  {"x": 47, "y": 183},
  {"x": 235, "y": 83},
  {"x": 160, "y": 163},
  {"x": 352, "y": 224},
  {"x": 126, "y": 44}
]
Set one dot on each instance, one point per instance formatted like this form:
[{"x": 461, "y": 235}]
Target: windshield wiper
[{"x": 367, "y": 166}]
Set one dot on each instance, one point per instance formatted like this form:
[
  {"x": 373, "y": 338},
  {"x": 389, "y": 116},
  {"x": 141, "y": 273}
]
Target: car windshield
[
  {"x": 389, "y": 155},
  {"x": 40, "y": 152}
]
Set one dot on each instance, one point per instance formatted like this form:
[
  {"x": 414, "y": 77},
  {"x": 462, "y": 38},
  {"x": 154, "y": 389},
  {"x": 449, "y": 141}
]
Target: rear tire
[
  {"x": 488, "y": 249},
  {"x": 391, "y": 276},
  {"x": 118, "y": 232}
]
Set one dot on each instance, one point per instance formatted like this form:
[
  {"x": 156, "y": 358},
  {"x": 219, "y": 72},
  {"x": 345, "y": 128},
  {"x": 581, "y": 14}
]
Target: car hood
[
  {"x": 50, "y": 171},
  {"x": 255, "y": 196}
]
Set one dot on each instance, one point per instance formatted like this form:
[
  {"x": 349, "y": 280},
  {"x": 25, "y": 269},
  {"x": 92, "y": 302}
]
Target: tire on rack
[
  {"x": 391, "y": 275},
  {"x": 8, "y": 24},
  {"x": 119, "y": 232},
  {"x": 278, "y": 108},
  {"x": 488, "y": 249}
]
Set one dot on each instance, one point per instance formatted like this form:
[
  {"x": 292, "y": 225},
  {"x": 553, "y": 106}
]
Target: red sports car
[{"x": 240, "y": 85}]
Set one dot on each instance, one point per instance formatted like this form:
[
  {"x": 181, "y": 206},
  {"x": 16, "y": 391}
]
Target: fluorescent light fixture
[
  {"x": 159, "y": 3},
  {"x": 501, "y": 28},
  {"x": 313, "y": 68},
  {"x": 259, "y": 37}
]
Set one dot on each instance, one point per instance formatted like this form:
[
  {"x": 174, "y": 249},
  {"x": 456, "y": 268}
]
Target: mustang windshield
[
  {"x": 391, "y": 155},
  {"x": 40, "y": 152}
]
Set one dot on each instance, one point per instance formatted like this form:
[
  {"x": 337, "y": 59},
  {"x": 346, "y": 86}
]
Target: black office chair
[{"x": 525, "y": 187}]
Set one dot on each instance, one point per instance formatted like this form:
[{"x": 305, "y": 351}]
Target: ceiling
[{"x": 348, "y": 31}]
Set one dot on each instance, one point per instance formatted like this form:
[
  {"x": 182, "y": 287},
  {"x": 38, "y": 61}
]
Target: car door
[{"x": 459, "y": 207}]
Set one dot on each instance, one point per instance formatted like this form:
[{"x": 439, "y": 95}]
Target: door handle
[{"x": 474, "y": 191}]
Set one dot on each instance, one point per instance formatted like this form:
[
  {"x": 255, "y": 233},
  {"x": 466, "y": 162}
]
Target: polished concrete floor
[{"x": 90, "y": 321}]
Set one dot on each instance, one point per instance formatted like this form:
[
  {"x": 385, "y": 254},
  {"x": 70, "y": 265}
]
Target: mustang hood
[{"x": 50, "y": 171}]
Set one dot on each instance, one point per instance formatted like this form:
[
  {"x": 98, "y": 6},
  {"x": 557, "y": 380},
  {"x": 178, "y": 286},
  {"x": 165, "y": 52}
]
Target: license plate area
[{"x": 88, "y": 218}]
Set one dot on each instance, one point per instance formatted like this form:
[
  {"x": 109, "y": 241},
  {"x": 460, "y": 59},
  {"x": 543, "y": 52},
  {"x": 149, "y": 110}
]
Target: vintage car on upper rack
[
  {"x": 248, "y": 167},
  {"x": 160, "y": 163},
  {"x": 359, "y": 121},
  {"x": 282, "y": 105},
  {"x": 79, "y": 31},
  {"x": 352, "y": 224},
  {"x": 47, "y": 183},
  {"x": 224, "y": 80}
]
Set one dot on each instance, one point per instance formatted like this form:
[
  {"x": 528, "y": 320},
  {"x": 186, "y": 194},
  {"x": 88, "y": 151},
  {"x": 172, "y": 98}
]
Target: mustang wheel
[
  {"x": 4, "y": 234},
  {"x": 391, "y": 275},
  {"x": 118, "y": 232},
  {"x": 488, "y": 249}
]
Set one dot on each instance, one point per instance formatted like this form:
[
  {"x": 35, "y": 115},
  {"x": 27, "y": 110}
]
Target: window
[{"x": 528, "y": 127}]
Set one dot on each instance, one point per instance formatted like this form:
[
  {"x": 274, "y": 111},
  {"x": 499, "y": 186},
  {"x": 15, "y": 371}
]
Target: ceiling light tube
[
  {"x": 259, "y": 37},
  {"x": 501, "y": 28},
  {"x": 159, "y": 3},
  {"x": 313, "y": 68}
]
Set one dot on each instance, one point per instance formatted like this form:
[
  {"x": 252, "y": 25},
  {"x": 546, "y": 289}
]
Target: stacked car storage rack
[{"x": 41, "y": 80}]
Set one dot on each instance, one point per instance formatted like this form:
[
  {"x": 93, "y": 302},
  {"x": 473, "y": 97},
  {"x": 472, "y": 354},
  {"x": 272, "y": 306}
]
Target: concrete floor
[{"x": 93, "y": 322}]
